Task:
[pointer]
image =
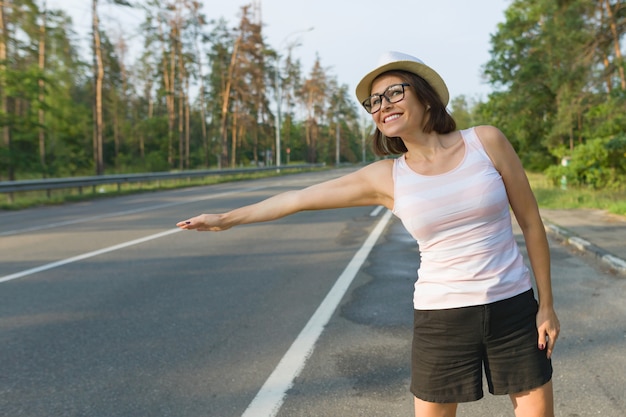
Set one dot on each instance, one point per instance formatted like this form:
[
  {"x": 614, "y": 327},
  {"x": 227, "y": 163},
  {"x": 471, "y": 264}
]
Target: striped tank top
[{"x": 462, "y": 224}]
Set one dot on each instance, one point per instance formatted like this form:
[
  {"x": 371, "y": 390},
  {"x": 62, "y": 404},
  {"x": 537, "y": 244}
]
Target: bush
[
  {"x": 536, "y": 161},
  {"x": 156, "y": 162},
  {"x": 598, "y": 163}
]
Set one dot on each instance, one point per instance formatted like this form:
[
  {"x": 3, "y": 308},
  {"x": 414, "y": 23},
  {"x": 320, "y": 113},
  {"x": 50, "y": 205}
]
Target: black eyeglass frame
[{"x": 368, "y": 107}]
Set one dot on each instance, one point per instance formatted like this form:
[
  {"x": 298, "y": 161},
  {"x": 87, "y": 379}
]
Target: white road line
[
  {"x": 77, "y": 258},
  {"x": 271, "y": 396},
  {"x": 376, "y": 211}
]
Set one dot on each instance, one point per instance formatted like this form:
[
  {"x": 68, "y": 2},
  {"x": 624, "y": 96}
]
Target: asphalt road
[{"x": 107, "y": 310}]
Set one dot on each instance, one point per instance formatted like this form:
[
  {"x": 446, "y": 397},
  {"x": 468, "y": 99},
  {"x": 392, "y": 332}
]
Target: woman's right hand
[{"x": 204, "y": 223}]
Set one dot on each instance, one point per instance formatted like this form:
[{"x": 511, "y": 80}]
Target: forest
[{"x": 202, "y": 94}]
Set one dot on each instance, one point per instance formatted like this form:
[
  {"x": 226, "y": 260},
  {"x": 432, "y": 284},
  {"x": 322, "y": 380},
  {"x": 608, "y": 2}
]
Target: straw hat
[{"x": 398, "y": 61}]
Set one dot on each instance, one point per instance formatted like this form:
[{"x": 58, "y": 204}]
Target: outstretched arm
[{"x": 371, "y": 185}]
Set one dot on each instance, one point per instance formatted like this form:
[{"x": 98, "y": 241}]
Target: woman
[{"x": 474, "y": 305}]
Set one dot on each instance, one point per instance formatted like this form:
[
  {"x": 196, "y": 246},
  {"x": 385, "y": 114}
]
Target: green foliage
[
  {"x": 559, "y": 89},
  {"x": 597, "y": 164},
  {"x": 153, "y": 118},
  {"x": 606, "y": 115}
]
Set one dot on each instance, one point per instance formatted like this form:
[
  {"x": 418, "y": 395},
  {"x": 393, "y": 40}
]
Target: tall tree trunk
[
  {"x": 607, "y": 74},
  {"x": 150, "y": 100},
  {"x": 308, "y": 138},
  {"x": 619, "y": 60},
  {"x": 187, "y": 123},
  {"x": 115, "y": 110},
  {"x": 4, "y": 101},
  {"x": 181, "y": 132},
  {"x": 255, "y": 146},
  {"x": 171, "y": 94},
  {"x": 98, "y": 77},
  {"x": 181, "y": 105},
  {"x": 233, "y": 146},
  {"x": 205, "y": 140},
  {"x": 225, "y": 99},
  {"x": 168, "y": 81},
  {"x": 42, "y": 114},
  {"x": 120, "y": 100},
  {"x": 311, "y": 131}
]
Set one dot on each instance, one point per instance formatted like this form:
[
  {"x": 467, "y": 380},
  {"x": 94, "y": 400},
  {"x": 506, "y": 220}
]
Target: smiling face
[
  {"x": 419, "y": 111},
  {"x": 402, "y": 118}
]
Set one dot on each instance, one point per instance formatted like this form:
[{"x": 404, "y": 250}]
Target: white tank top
[{"x": 462, "y": 224}]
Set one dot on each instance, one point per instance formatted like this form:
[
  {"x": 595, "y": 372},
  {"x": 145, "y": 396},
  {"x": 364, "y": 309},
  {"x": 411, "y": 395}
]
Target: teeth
[{"x": 392, "y": 117}]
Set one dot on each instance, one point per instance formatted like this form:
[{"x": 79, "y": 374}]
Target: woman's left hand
[{"x": 549, "y": 328}]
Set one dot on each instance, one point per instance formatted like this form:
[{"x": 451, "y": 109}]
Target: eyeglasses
[{"x": 394, "y": 93}]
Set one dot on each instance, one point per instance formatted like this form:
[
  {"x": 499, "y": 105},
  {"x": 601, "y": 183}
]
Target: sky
[{"x": 451, "y": 36}]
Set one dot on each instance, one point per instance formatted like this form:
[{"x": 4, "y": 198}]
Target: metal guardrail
[{"x": 119, "y": 179}]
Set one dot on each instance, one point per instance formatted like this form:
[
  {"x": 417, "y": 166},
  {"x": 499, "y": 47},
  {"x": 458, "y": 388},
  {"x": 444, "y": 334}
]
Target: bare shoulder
[
  {"x": 496, "y": 145},
  {"x": 381, "y": 167},
  {"x": 379, "y": 172},
  {"x": 490, "y": 135}
]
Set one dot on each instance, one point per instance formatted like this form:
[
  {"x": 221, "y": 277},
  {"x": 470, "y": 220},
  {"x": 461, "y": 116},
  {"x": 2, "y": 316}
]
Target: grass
[{"x": 554, "y": 197}]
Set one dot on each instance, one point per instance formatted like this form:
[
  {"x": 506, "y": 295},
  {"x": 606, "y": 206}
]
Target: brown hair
[{"x": 439, "y": 120}]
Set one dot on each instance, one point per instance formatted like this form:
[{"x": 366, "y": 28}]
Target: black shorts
[{"x": 451, "y": 346}]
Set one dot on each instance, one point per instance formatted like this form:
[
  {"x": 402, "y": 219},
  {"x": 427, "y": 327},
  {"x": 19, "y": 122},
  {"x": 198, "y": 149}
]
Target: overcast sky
[{"x": 452, "y": 36}]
